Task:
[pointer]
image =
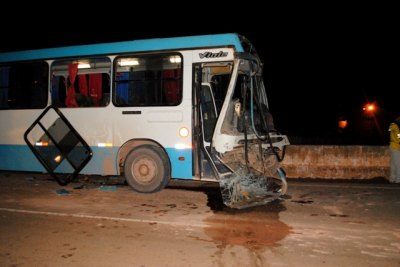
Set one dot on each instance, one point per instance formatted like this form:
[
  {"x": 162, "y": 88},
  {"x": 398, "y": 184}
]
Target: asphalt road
[{"x": 101, "y": 222}]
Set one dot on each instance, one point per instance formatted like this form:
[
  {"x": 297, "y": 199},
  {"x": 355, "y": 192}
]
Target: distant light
[
  {"x": 369, "y": 107},
  {"x": 342, "y": 124}
]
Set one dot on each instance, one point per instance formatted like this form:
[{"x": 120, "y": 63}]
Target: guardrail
[{"x": 337, "y": 162}]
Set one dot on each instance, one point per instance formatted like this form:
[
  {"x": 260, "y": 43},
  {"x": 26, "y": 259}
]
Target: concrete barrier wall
[{"x": 337, "y": 162}]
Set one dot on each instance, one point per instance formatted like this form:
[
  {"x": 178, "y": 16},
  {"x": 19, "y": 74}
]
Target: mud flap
[
  {"x": 57, "y": 145},
  {"x": 243, "y": 190}
]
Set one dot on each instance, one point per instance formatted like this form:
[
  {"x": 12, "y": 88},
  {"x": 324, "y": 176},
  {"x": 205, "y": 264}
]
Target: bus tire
[{"x": 147, "y": 169}]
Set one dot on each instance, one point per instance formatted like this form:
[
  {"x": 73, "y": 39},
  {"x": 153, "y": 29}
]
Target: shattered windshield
[{"x": 247, "y": 107}]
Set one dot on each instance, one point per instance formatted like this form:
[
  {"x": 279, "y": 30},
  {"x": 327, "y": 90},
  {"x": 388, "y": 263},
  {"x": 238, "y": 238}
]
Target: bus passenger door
[{"x": 207, "y": 166}]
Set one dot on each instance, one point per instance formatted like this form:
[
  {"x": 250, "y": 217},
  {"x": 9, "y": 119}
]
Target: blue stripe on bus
[
  {"x": 21, "y": 158},
  {"x": 201, "y": 41},
  {"x": 18, "y": 158},
  {"x": 181, "y": 168}
]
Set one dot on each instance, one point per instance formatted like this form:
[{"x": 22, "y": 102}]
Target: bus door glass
[{"x": 208, "y": 112}]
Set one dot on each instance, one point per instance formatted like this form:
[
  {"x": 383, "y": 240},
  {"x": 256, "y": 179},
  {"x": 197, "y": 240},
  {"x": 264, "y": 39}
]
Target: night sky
[{"x": 318, "y": 66}]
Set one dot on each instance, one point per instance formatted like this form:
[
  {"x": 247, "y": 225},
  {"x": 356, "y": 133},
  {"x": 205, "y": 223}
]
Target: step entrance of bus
[{"x": 57, "y": 145}]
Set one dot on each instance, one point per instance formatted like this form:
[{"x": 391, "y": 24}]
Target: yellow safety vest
[{"x": 394, "y": 136}]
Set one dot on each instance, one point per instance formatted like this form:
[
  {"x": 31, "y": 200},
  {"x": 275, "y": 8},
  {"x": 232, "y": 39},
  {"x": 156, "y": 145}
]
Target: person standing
[{"x": 394, "y": 130}]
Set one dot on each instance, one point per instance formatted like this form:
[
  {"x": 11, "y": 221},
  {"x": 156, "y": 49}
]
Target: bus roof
[{"x": 200, "y": 41}]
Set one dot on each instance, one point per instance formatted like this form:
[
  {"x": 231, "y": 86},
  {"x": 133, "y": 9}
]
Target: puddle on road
[{"x": 255, "y": 228}]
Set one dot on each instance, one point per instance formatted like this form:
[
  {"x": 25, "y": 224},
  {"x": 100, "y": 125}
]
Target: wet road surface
[{"x": 101, "y": 222}]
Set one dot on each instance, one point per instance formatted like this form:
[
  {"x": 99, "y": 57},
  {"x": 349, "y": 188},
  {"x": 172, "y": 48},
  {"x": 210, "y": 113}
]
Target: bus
[{"x": 152, "y": 110}]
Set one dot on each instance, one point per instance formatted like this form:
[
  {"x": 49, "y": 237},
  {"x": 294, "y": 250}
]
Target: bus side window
[
  {"x": 24, "y": 85},
  {"x": 121, "y": 89},
  {"x": 148, "y": 80},
  {"x": 89, "y": 89},
  {"x": 90, "y": 78},
  {"x": 4, "y": 86},
  {"x": 58, "y": 91},
  {"x": 171, "y": 83}
]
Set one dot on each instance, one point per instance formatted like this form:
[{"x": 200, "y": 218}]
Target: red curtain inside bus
[
  {"x": 95, "y": 87},
  {"x": 70, "y": 100},
  {"x": 171, "y": 84}
]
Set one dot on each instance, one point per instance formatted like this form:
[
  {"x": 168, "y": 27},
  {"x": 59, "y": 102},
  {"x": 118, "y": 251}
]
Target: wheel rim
[{"x": 144, "y": 170}]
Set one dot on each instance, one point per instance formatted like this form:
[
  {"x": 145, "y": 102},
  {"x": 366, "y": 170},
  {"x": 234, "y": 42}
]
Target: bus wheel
[{"x": 147, "y": 169}]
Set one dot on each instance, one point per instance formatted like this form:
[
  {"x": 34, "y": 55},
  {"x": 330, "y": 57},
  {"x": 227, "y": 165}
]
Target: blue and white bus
[{"x": 184, "y": 108}]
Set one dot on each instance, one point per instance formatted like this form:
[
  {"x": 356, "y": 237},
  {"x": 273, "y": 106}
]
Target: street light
[
  {"x": 370, "y": 108},
  {"x": 342, "y": 123}
]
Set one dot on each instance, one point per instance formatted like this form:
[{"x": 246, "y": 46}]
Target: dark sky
[{"x": 319, "y": 64}]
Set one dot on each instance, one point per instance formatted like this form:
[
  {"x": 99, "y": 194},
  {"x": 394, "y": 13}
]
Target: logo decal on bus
[{"x": 213, "y": 55}]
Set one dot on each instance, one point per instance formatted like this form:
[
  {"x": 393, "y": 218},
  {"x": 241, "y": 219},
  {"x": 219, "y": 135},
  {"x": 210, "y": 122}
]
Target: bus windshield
[{"x": 246, "y": 109}]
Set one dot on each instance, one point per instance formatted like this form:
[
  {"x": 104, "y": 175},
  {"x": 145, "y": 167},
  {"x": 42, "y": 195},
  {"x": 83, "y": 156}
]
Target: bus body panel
[
  {"x": 106, "y": 129},
  {"x": 150, "y": 45},
  {"x": 14, "y": 153}
]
